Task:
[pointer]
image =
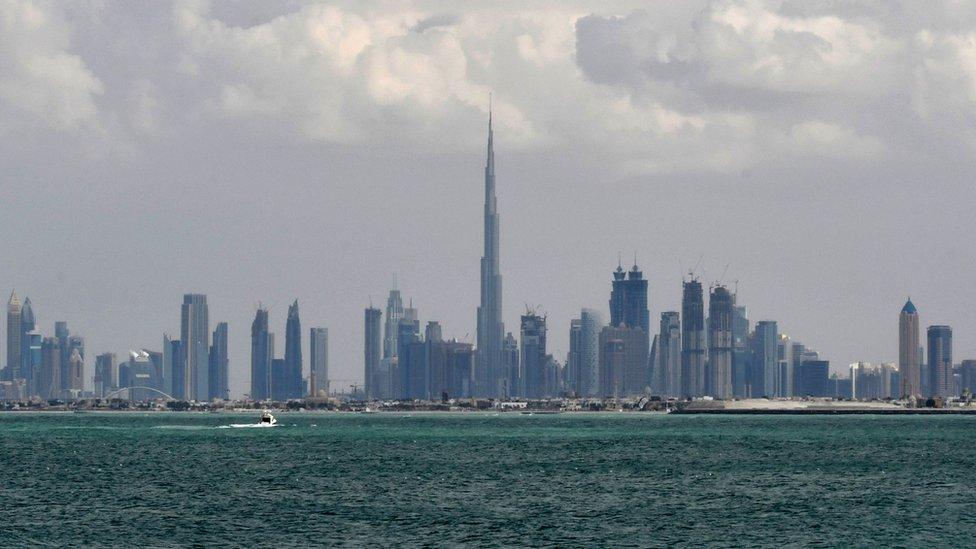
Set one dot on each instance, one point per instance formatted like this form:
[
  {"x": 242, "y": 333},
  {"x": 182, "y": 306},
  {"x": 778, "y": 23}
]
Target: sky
[{"x": 816, "y": 155}]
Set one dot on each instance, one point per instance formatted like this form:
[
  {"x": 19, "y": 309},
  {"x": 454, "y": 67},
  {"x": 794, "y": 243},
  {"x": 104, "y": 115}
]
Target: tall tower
[
  {"x": 195, "y": 335},
  {"x": 262, "y": 351},
  {"x": 219, "y": 364},
  {"x": 908, "y": 363},
  {"x": 940, "y": 361},
  {"x": 318, "y": 360},
  {"x": 628, "y": 301},
  {"x": 720, "y": 318},
  {"x": 669, "y": 354},
  {"x": 692, "y": 339},
  {"x": 14, "y": 334},
  {"x": 491, "y": 330},
  {"x": 293, "y": 353},
  {"x": 371, "y": 354},
  {"x": 394, "y": 312}
]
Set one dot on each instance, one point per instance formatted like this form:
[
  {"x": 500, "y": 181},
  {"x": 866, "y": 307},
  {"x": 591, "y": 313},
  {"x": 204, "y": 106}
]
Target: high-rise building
[
  {"x": 293, "y": 353},
  {"x": 195, "y": 335},
  {"x": 140, "y": 375},
  {"x": 394, "y": 312},
  {"x": 511, "y": 360},
  {"x": 765, "y": 354},
  {"x": 669, "y": 355},
  {"x": 49, "y": 374},
  {"x": 27, "y": 324},
  {"x": 812, "y": 379},
  {"x": 622, "y": 361},
  {"x": 628, "y": 300},
  {"x": 908, "y": 356},
  {"x": 14, "y": 333},
  {"x": 940, "y": 361},
  {"x": 491, "y": 330},
  {"x": 219, "y": 365},
  {"x": 371, "y": 355},
  {"x": 967, "y": 377},
  {"x": 583, "y": 360},
  {"x": 591, "y": 322},
  {"x": 411, "y": 361},
  {"x": 740, "y": 352},
  {"x": 262, "y": 351},
  {"x": 533, "y": 357},
  {"x": 721, "y": 311},
  {"x": 692, "y": 339},
  {"x": 279, "y": 381},
  {"x": 106, "y": 374},
  {"x": 73, "y": 369},
  {"x": 177, "y": 382},
  {"x": 33, "y": 342},
  {"x": 573, "y": 372},
  {"x": 318, "y": 356}
]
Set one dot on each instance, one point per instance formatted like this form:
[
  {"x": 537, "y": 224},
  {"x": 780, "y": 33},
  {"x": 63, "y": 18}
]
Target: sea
[{"x": 176, "y": 479}]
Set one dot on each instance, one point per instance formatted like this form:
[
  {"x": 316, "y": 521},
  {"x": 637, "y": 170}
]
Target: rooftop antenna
[
  {"x": 619, "y": 262},
  {"x": 394, "y": 281},
  {"x": 635, "y": 258}
]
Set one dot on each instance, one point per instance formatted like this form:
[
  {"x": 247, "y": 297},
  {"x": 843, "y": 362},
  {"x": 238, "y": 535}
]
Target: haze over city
[{"x": 820, "y": 155}]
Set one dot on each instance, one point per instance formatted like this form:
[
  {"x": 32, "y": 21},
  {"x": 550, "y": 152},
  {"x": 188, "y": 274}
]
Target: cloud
[{"x": 43, "y": 82}]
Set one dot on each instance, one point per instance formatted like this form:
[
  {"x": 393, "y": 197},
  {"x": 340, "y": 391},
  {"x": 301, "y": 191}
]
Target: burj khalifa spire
[{"x": 491, "y": 330}]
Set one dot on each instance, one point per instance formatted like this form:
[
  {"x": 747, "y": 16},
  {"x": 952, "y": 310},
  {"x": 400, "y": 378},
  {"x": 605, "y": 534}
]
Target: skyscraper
[
  {"x": 371, "y": 354},
  {"x": 582, "y": 362},
  {"x": 669, "y": 355},
  {"x": 195, "y": 335},
  {"x": 908, "y": 357},
  {"x": 33, "y": 342},
  {"x": 740, "y": 352},
  {"x": 27, "y": 324},
  {"x": 628, "y": 300},
  {"x": 318, "y": 356},
  {"x": 14, "y": 333},
  {"x": 591, "y": 322},
  {"x": 765, "y": 352},
  {"x": 623, "y": 364},
  {"x": 573, "y": 373},
  {"x": 49, "y": 374},
  {"x": 394, "y": 312},
  {"x": 940, "y": 361},
  {"x": 106, "y": 374},
  {"x": 720, "y": 318},
  {"x": 533, "y": 359},
  {"x": 262, "y": 351},
  {"x": 219, "y": 364},
  {"x": 692, "y": 339},
  {"x": 293, "y": 353},
  {"x": 491, "y": 330}
]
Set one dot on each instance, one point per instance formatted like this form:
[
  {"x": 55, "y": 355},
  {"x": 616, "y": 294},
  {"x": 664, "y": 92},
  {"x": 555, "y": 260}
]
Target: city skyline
[
  {"x": 250, "y": 181},
  {"x": 197, "y": 370}
]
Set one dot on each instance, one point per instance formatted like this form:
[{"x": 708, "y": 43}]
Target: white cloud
[{"x": 42, "y": 79}]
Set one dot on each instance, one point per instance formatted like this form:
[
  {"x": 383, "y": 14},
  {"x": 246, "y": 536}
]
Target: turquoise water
[{"x": 172, "y": 479}]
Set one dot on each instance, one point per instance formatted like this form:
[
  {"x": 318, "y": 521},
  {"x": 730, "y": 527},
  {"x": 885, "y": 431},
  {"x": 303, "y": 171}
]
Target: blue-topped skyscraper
[
  {"x": 909, "y": 367},
  {"x": 491, "y": 330}
]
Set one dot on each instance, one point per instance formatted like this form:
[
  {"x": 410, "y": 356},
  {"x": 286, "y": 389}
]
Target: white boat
[{"x": 268, "y": 420}]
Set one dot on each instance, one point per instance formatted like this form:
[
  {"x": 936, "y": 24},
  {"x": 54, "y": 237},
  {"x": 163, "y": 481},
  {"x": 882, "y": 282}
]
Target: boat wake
[{"x": 246, "y": 425}]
